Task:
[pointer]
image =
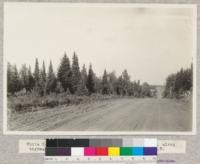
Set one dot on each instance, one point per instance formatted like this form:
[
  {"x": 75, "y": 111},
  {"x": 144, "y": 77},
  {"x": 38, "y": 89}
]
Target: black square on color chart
[
  {"x": 58, "y": 151},
  {"x": 67, "y": 142},
  {"x": 51, "y": 143},
  {"x": 50, "y": 151}
]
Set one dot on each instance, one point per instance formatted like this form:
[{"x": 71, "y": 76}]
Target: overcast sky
[{"x": 150, "y": 42}]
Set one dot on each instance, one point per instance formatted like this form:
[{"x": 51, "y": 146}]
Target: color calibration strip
[{"x": 101, "y": 149}]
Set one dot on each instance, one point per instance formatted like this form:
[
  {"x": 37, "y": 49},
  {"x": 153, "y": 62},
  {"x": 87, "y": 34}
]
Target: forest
[
  {"x": 70, "y": 84},
  {"x": 179, "y": 85},
  {"x": 69, "y": 78}
]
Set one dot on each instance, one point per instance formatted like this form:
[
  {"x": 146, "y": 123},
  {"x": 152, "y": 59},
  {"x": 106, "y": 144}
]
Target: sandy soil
[{"x": 148, "y": 114}]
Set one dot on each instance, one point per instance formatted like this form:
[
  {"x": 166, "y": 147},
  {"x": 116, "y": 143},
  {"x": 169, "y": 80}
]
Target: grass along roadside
[
  {"x": 112, "y": 114},
  {"x": 31, "y": 103},
  {"x": 43, "y": 119}
]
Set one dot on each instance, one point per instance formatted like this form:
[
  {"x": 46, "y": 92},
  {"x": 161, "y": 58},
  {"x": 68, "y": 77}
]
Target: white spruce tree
[
  {"x": 43, "y": 78},
  {"x": 119, "y": 86},
  {"x": 9, "y": 78},
  {"x": 24, "y": 77},
  {"x": 59, "y": 88},
  {"x": 112, "y": 80},
  {"x": 105, "y": 85},
  {"x": 64, "y": 73},
  {"x": 81, "y": 89},
  {"x": 36, "y": 72},
  {"x": 84, "y": 74},
  {"x": 30, "y": 79},
  {"x": 16, "y": 85},
  {"x": 51, "y": 80},
  {"x": 44, "y": 75},
  {"x": 146, "y": 90},
  {"x": 38, "y": 88},
  {"x": 90, "y": 81},
  {"x": 126, "y": 82},
  {"x": 76, "y": 75}
]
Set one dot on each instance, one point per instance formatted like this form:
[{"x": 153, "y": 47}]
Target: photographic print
[{"x": 99, "y": 68}]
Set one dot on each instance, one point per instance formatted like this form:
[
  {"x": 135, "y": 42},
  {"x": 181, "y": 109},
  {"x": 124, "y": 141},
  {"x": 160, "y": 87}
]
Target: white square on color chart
[
  {"x": 150, "y": 142},
  {"x": 127, "y": 142},
  {"x": 77, "y": 151},
  {"x": 138, "y": 142}
]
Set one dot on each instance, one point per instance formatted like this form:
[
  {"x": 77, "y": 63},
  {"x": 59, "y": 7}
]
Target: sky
[{"x": 150, "y": 42}]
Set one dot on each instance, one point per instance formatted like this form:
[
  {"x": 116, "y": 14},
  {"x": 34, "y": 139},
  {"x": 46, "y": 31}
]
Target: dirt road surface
[
  {"x": 134, "y": 115},
  {"x": 148, "y": 114}
]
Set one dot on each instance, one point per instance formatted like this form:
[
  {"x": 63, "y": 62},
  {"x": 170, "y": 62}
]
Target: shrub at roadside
[{"x": 32, "y": 102}]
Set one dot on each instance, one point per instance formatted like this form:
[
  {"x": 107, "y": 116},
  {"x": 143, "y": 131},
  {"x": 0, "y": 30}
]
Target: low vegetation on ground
[{"x": 31, "y": 103}]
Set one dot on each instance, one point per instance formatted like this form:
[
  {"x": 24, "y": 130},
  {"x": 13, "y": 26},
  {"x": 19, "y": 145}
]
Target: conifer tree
[
  {"x": 64, "y": 73},
  {"x": 51, "y": 80},
  {"x": 146, "y": 90},
  {"x": 84, "y": 74},
  {"x": 59, "y": 88},
  {"x": 43, "y": 79},
  {"x": 36, "y": 73},
  {"x": 39, "y": 89},
  {"x": 76, "y": 76},
  {"x": 9, "y": 78},
  {"x": 105, "y": 85},
  {"x": 112, "y": 80},
  {"x": 16, "y": 86},
  {"x": 30, "y": 79},
  {"x": 126, "y": 82},
  {"x": 81, "y": 89},
  {"x": 97, "y": 84},
  {"x": 90, "y": 81},
  {"x": 44, "y": 76},
  {"x": 24, "y": 77},
  {"x": 119, "y": 86}
]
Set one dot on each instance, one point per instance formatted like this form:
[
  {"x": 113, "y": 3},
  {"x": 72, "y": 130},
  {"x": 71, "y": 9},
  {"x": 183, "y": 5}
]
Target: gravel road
[
  {"x": 147, "y": 114},
  {"x": 126, "y": 114}
]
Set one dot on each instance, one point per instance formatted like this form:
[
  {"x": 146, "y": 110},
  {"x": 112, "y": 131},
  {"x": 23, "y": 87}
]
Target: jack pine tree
[
  {"x": 76, "y": 76},
  {"x": 51, "y": 80},
  {"x": 90, "y": 81},
  {"x": 64, "y": 73}
]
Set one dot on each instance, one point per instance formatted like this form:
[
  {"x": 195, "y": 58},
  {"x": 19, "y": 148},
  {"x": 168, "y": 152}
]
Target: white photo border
[{"x": 114, "y": 133}]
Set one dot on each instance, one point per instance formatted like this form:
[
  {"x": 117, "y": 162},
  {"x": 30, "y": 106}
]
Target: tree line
[
  {"x": 179, "y": 84},
  {"x": 72, "y": 80}
]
